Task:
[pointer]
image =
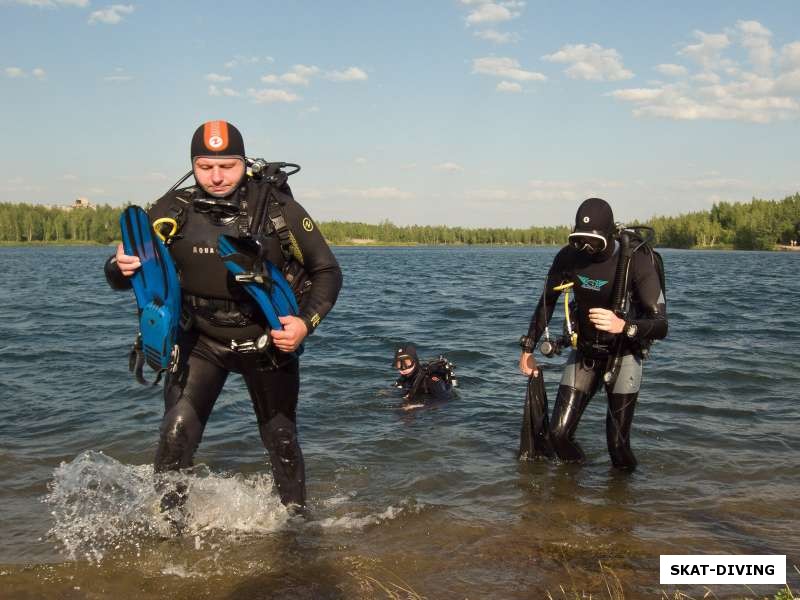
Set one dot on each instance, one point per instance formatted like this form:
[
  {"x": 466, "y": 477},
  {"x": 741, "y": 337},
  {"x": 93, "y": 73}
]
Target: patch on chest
[
  {"x": 592, "y": 284},
  {"x": 203, "y": 250}
]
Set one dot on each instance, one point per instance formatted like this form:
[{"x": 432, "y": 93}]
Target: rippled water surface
[{"x": 429, "y": 503}]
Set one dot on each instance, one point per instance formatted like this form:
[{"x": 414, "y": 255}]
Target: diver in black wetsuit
[
  {"x": 220, "y": 321},
  {"x": 420, "y": 382},
  {"x": 590, "y": 263}
]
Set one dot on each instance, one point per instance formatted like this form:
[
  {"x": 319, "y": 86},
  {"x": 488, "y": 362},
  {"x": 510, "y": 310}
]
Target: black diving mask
[
  {"x": 403, "y": 362},
  {"x": 591, "y": 243},
  {"x": 220, "y": 206}
]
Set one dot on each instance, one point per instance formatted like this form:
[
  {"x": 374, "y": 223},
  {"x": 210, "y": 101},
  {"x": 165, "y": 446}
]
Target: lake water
[{"x": 430, "y": 503}]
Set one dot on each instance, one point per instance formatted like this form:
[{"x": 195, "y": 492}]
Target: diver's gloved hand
[
  {"x": 291, "y": 336},
  {"x": 605, "y": 320},
  {"x": 127, "y": 264},
  {"x": 527, "y": 364}
]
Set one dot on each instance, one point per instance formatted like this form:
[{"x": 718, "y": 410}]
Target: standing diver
[
  {"x": 222, "y": 328},
  {"x": 620, "y": 309},
  {"x": 432, "y": 381}
]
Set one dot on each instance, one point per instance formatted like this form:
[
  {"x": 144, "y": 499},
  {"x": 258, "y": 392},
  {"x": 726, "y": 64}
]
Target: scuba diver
[
  {"x": 619, "y": 309},
  {"x": 423, "y": 383},
  {"x": 247, "y": 204}
]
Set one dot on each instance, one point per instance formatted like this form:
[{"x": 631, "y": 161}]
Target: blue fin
[
  {"x": 267, "y": 286},
  {"x": 156, "y": 287}
]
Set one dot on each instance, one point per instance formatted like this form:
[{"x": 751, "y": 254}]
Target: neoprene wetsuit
[
  {"x": 220, "y": 323},
  {"x": 593, "y": 278}
]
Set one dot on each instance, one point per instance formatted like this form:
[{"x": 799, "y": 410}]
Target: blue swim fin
[
  {"x": 158, "y": 295},
  {"x": 262, "y": 280}
]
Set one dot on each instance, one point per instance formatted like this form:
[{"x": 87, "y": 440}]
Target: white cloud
[
  {"x": 637, "y": 94},
  {"x": 269, "y": 96},
  {"x": 722, "y": 88},
  {"x": 509, "y": 87},
  {"x": 239, "y": 60},
  {"x": 790, "y": 56},
  {"x": 672, "y": 70},
  {"x": 69, "y": 177},
  {"x": 53, "y": 3},
  {"x": 213, "y": 90},
  {"x": 449, "y": 167},
  {"x": 111, "y": 15},
  {"x": 118, "y": 78},
  {"x": 707, "y": 51},
  {"x": 756, "y": 39},
  {"x": 498, "y": 37},
  {"x": 39, "y": 73},
  {"x": 298, "y": 75},
  {"x": 14, "y": 72},
  {"x": 507, "y": 68},
  {"x": 215, "y": 78},
  {"x": 591, "y": 62},
  {"x": 349, "y": 74},
  {"x": 360, "y": 160},
  {"x": 489, "y": 13}
]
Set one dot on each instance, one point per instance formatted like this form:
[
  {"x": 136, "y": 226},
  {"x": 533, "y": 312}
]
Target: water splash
[{"x": 100, "y": 506}]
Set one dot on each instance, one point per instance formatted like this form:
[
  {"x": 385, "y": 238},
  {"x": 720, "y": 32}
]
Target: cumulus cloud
[
  {"x": 349, "y": 74},
  {"x": 722, "y": 88},
  {"x": 492, "y": 11},
  {"x": 240, "y": 60},
  {"x": 39, "y": 73},
  {"x": 507, "y": 68},
  {"x": 755, "y": 38},
  {"x": 497, "y": 37},
  {"x": 672, "y": 70},
  {"x": 449, "y": 167},
  {"x": 213, "y": 90},
  {"x": 360, "y": 160},
  {"x": 509, "y": 87},
  {"x": 269, "y": 96},
  {"x": 118, "y": 78},
  {"x": 591, "y": 62},
  {"x": 297, "y": 75},
  {"x": 111, "y": 15},
  {"x": 706, "y": 52},
  {"x": 14, "y": 72},
  {"x": 53, "y": 3},
  {"x": 216, "y": 78}
]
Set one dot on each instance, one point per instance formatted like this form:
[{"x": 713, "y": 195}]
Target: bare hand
[
  {"x": 605, "y": 320},
  {"x": 527, "y": 364},
  {"x": 127, "y": 264},
  {"x": 291, "y": 336}
]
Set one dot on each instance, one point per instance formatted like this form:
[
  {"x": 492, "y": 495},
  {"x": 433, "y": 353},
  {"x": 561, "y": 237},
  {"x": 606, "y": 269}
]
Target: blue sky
[{"x": 459, "y": 112}]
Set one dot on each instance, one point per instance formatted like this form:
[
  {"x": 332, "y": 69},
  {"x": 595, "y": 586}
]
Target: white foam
[{"x": 100, "y": 505}]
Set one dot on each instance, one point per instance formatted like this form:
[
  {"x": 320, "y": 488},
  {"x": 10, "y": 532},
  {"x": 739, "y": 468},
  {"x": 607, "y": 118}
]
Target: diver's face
[
  {"x": 218, "y": 176},
  {"x": 590, "y": 243},
  {"x": 404, "y": 365}
]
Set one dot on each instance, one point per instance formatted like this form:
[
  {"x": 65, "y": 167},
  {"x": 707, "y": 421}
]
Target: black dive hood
[{"x": 594, "y": 229}]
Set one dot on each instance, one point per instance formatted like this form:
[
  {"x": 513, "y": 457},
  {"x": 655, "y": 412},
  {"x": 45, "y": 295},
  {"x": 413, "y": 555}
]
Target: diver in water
[
  {"x": 422, "y": 383},
  {"x": 223, "y": 330},
  {"x": 619, "y": 309}
]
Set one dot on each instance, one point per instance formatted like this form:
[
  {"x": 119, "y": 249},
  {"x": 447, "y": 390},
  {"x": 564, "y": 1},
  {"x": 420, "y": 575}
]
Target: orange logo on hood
[{"x": 215, "y": 135}]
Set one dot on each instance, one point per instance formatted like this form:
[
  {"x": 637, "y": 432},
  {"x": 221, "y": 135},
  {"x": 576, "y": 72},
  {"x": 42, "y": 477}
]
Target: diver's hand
[
  {"x": 291, "y": 336},
  {"x": 605, "y": 320},
  {"x": 127, "y": 264},
  {"x": 527, "y": 364}
]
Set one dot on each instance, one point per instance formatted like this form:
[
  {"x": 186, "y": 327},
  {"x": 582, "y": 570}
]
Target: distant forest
[{"x": 756, "y": 225}]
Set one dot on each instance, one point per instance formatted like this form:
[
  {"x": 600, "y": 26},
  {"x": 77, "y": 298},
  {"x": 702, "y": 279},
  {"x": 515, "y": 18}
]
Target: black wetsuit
[
  {"x": 220, "y": 323},
  {"x": 427, "y": 383},
  {"x": 593, "y": 278}
]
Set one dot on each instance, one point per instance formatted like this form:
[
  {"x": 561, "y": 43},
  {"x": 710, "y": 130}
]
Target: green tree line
[{"x": 756, "y": 225}]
